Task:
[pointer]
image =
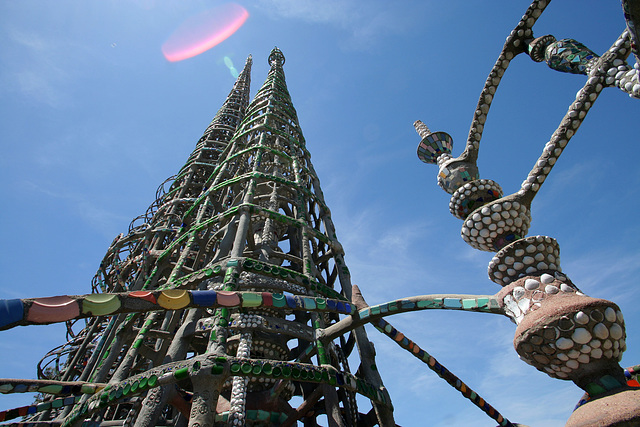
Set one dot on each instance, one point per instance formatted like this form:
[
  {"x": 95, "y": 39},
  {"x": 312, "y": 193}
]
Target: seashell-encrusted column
[{"x": 563, "y": 332}]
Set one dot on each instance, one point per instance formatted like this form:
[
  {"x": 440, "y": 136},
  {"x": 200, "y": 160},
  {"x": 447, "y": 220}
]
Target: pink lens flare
[{"x": 201, "y": 32}]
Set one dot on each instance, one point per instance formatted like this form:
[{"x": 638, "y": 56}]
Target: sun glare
[{"x": 201, "y": 32}]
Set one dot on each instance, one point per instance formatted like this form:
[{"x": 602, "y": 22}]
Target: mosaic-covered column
[{"x": 560, "y": 331}]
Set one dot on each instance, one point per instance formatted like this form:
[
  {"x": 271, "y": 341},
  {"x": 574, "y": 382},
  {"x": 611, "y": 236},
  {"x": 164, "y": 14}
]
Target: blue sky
[{"x": 93, "y": 118}]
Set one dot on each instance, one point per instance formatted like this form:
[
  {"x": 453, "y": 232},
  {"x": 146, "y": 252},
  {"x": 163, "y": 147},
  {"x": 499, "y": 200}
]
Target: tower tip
[{"x": 276, "y": 56}]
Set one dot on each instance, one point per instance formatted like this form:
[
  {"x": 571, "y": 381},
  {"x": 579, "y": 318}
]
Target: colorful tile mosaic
[
  {"x": 63, "y": 308},
  {"x": 481, "y": 303},
  {"x": 433, "y": 144},
  {"x": 569, "y": 56}
]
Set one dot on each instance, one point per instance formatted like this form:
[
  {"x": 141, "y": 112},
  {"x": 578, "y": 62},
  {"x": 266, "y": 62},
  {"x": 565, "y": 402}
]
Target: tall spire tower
[
  {"x": 130, "y": 259},
  {"x": 243, "y": 270},
  {"x": 163, "y": 218},
  {"x": 271, "y": 238},
  {"x": 273, "y": 235}
]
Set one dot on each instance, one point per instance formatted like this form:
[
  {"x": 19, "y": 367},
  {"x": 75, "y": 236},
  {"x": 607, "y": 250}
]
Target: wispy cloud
[
  {"x": 382, "y": 255},
  {"x": 98, "y": 218},
  {"x": 38, "y": 77},
  {"x": 471, "y": 256},
  {"x": 331, "y": 11},
  {"x": 365, "y": 23},
  {"x": 606, "y": 273}
]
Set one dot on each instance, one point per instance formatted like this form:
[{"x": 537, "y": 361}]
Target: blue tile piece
[
  {"x": 407, "y": 304},
  {"x": 204, "y": 298},
  {"x": 291, "y": 301},
  {"x": 452, "y": 303},
  {"x": 11, "y": 310}
]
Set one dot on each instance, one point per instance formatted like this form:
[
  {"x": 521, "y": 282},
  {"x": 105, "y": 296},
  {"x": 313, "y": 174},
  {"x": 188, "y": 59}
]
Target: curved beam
[
  {"x": 513, "y": 46},
  {"x": 460, "y": 302},
  {"x": 39, "y": 311},
  {"x": 574, "y": 116}
]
